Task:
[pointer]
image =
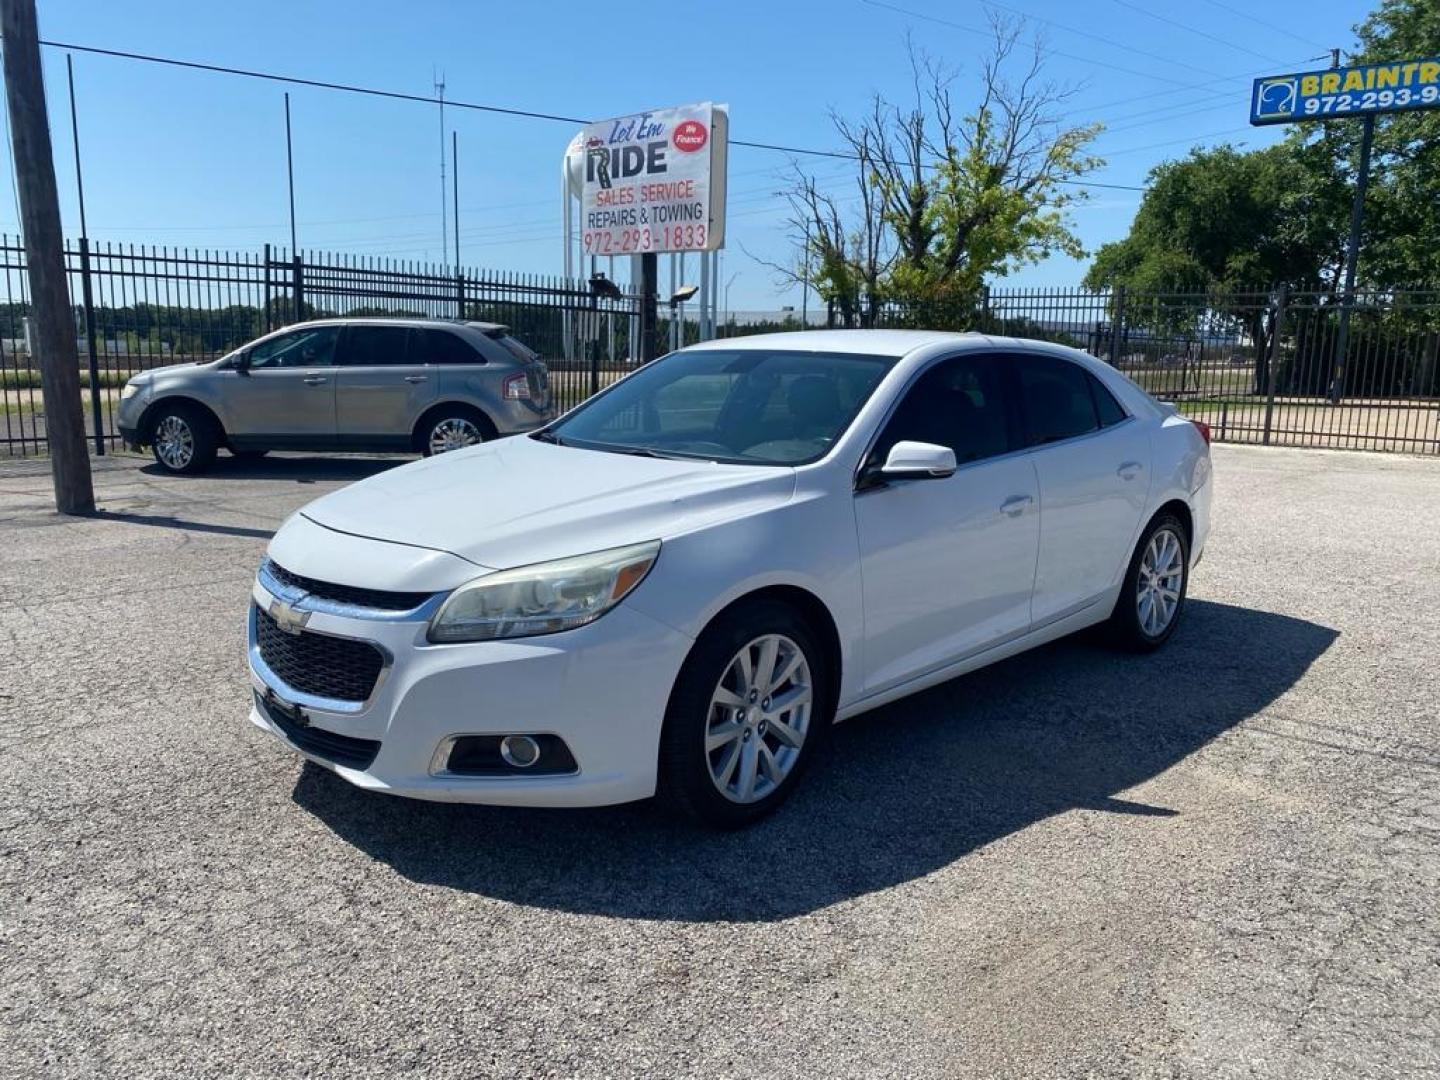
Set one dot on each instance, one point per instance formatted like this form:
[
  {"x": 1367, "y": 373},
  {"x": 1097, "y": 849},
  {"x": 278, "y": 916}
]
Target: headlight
[
  {"x": 129, "y": 390},
  {"x": 544, "y": 598}
]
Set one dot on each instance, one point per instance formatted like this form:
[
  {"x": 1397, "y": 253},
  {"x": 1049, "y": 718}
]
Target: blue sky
[{"x": 198, "y": 160}]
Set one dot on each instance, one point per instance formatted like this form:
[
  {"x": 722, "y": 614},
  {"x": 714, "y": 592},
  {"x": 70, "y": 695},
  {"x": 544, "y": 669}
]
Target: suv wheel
[
  {"x": 748, "y": 715},
  {"x": 183, "y": 439},
  {"x": 453, "y": 429}
]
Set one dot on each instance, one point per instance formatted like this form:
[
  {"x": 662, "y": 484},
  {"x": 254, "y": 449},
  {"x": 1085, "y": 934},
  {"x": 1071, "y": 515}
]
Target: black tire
[
  {"x": 183, "y": 438},
  {"x": 456, "y": 416},
  {"x": 684, "y": 781},
  {"x": 1126, "y": 622}
]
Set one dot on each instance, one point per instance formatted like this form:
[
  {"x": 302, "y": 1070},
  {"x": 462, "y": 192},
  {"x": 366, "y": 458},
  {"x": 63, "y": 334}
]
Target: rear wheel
[
  {"x": 453, "y": 428},
  {"x": 1152, "y": 598},
  {"x": 183, "y": 438},
  {"x": 747, "y": 717}
]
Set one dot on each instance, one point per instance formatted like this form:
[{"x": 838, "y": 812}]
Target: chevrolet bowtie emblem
[{"x": 287, "y": 617}]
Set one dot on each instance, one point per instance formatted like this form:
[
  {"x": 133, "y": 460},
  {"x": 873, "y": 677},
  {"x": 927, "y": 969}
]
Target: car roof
[
  {"x": 402, "y": 320},
  {"x": 875, "y": 342}
]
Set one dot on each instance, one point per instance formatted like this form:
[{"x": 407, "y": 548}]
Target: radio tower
[{"x": 444, "y": 216}]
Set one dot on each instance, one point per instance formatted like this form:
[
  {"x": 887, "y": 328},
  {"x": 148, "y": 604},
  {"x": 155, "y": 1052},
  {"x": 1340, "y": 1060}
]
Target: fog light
[{"x": 520, "y": 751}]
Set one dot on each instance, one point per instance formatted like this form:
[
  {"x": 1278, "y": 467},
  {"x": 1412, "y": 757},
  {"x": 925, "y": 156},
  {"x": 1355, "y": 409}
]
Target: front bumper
[{"x": 603, "y": 688}]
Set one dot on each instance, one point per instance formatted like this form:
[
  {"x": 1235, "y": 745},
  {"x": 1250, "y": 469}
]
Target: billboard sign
[
  {"x": 1363, "y": 90},
  {"x": 655, "y": 181}
]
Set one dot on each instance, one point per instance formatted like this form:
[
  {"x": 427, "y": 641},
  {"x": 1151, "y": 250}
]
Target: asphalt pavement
[{"x": 1222, "y": 860}]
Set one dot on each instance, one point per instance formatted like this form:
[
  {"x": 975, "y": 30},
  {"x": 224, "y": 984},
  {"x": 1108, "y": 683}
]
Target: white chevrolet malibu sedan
[{"x": 679, "y": 586}]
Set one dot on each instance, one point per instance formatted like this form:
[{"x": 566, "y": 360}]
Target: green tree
[
  {"x": 945, "y": 200},
  {"x": 1218, "y": 228}
]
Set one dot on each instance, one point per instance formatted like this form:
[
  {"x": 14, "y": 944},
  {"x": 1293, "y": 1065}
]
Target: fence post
[
  {"x": 594, "y": 345},
  {"x": 1276, "y": 331},
  {"x": 985, "y": 324},
  {"x": 267, "y": 288},
  {"x": 298, "y": 277},
  {"x": 459, "y": 290},
  {"x": 87, "y": 299},
  {"x": 1117, "y": 324}
]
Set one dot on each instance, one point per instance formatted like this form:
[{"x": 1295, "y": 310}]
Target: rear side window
[
  {"x": 1106, "y": 406},
  {"x": 1056, "y": 398},
  {"x": 374, "y": 346},
  {"x": 441, "y": 347}
]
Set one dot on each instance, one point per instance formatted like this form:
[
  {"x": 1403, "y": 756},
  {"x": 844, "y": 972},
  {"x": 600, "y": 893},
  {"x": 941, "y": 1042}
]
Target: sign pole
[
  {"x": 649, "y": 275},
  {"x": 1352, "y": 252},
  {"x": 45, "y": 259}
]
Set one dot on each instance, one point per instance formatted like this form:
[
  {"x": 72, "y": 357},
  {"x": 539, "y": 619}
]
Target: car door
[
  {"x": 1093, "y": 462},
  {"x": 382, "y": 385},
  {"x": 283, "y": 391},
  {"x": 947, "y": 565}
]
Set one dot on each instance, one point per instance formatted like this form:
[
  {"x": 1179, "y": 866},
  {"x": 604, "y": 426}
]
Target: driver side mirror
[
  {"x": 242, "y": 363},
  {"x": 918, "y": 461}
]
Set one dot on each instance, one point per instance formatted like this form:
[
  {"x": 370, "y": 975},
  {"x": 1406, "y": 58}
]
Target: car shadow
[
  {"x": 297, "y": 468},
  {"x": 903, "y": 790}
]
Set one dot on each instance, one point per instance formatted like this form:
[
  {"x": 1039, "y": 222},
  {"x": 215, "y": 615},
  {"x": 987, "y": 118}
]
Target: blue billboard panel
[{"x": 1348, "y": 91}]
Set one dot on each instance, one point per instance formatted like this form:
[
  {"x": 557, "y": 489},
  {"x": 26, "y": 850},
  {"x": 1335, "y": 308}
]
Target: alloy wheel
[
  {"x": 758, "y": 717},
  {"x": 453, "y": 433},
  {"x": 1157, "y": 585},
  {"x": 174, "y": 442}
]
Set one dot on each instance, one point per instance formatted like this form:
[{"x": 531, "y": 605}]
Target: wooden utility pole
[{"x": 45, "y": 256}]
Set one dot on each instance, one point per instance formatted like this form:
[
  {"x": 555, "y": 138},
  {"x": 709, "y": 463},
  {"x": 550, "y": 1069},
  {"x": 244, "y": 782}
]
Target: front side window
[
  {"x": 1056, "y": 398},
  {"x": 374, "y": 346},
  {"x": 748, "y": 406},
  {"x": 960, "y": 403},
  {"x": 313, "y": 346}
]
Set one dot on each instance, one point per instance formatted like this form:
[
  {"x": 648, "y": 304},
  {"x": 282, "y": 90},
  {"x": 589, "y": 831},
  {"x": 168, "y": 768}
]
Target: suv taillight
[
  {"x": 517, "y": 387},
  {"x": 1204, "y": 429}
]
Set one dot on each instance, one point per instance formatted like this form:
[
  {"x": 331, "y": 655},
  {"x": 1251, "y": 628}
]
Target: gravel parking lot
[{"x": 1222, "y": 860}]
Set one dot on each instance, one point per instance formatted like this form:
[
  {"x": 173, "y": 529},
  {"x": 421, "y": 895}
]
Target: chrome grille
[
  {"x": 379, "y": 599},
  {"x": 341, "y": 669}
]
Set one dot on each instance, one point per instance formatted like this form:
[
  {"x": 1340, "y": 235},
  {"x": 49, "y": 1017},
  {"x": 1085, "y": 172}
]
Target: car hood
[{"x": 517, "y": 501}]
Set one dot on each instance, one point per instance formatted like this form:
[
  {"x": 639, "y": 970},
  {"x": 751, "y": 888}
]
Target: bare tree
[{"x": 945, "y": 200}]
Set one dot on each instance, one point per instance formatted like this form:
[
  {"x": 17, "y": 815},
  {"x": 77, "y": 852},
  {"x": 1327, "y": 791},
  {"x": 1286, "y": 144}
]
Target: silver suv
[{"x": 341, "y": 384}]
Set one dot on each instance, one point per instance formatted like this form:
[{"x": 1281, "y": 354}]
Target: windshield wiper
[{"x": 639, "y": 451}]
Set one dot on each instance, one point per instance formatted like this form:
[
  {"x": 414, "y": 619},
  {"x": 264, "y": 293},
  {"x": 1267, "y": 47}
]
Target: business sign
[
  {"x": 655, "y": 181},
  {"x": 1349, "y": 91}
]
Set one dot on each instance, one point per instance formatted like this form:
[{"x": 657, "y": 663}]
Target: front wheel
[
  {"x": 183, "y": 439},
  {"x": 1152, "y": 598},
  {"x": 747, "y": 716}
]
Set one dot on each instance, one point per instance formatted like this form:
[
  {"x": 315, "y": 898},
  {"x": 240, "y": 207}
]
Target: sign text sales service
[{"x": 655, "y": 181}]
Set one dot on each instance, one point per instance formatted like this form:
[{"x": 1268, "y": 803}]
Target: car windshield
[{"x": 747, "y": 406}]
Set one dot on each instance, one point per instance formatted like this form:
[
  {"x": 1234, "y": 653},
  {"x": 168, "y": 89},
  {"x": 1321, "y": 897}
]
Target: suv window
[
  {"x": 312, "y": 347},
  {"x": 1056, "y": 397},
  {"x": 1105, "y": 404},
  {"x": 959, "y": 403},
  {"x": 441, "y": 347},
  {"x": 374, "y": 346}
]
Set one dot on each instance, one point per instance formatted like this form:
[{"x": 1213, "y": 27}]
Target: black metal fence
[
  {"x": 1259, "y": 368},
  {"x": 137, "y": 307}
]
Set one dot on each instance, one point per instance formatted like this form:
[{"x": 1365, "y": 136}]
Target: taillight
[
  {"x": 1204, "y": 429},
  {"x": 517, "y": 388}
]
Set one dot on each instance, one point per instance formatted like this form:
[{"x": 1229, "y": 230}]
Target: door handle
[
  {"x": 415, "y": 378},
  {"x": 1016, "y": 504},
  {"x": 315, "y": 380},
  {"x": 1129, "y": 470}
]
